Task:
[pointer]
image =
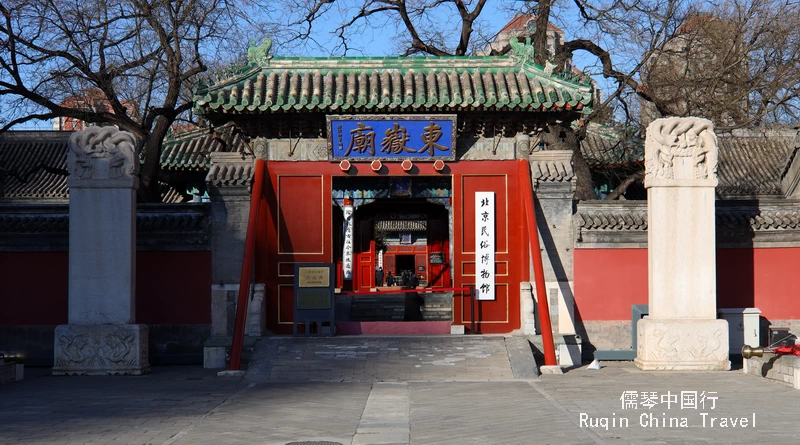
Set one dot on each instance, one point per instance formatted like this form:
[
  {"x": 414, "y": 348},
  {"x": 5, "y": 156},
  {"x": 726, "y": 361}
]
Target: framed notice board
[{"x": 314, "y": 298}]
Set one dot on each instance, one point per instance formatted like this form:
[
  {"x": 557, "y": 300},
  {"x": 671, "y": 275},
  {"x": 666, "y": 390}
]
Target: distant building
[
  {"x": 92, "y": 100},
  {"x": 520, "y": 27},
  {"x": 523, "y": 26}
]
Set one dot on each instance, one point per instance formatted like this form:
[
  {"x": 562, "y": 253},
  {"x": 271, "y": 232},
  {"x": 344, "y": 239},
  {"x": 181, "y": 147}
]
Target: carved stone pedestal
[
  {"x": 682, "y": 345},
  {"x": 101, "y": 349}
]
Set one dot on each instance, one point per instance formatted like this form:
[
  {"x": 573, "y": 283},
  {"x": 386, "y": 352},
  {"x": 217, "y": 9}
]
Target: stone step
[{"x": 438, "y": 307}]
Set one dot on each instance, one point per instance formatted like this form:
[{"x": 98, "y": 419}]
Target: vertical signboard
[
  {"x": 484, "y": 245},
  {"x": 347, "y": 250}
]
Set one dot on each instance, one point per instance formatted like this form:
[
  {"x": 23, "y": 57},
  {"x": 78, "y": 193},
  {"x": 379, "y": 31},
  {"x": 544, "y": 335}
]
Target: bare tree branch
[{"x": 623, "y": 186}]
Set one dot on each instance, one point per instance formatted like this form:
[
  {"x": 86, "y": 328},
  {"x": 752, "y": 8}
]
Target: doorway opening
[
  {"x": 405, "y": 265},
  {"x": 398, "y": 224}
]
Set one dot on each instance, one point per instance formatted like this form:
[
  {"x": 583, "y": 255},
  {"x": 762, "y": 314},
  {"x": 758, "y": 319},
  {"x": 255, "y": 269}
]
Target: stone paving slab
[
  {"x": 381, "y": 358},
  {"x": 596, "y": 394},
  {"x": 45, "y": 409},
  {"x": 280, "y": 413},
  {"x": 487, "y": 413},
  {"x": 186, "y": 405}
]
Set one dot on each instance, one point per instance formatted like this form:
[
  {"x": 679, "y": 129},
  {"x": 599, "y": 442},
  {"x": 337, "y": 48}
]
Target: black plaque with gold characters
[{"x": 313, "y": 299}]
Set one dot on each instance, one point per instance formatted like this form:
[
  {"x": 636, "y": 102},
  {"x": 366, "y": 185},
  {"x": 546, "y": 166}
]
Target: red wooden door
[
  {"x": 389, "y": 264},
  {"x": 511, "y": 249},
  {"x": 364, "y": 258},
  {"x": 292, "y": 231},
  {"x": 437, "y": 234}
]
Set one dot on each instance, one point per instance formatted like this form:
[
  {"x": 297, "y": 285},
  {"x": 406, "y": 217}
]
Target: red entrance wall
[
  {"x": 172, "y": 287},
  {"x": 609, "y": 281},
  {"x": 35, "y": 288},
  {"x": 297, "y": 221}
]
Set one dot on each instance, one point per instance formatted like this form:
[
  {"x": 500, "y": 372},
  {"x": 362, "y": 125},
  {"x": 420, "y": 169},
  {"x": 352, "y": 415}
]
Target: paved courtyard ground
[{"x": 191, "y": 405}]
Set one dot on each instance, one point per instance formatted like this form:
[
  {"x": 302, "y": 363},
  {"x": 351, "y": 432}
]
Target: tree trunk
[
  {"x": 584, "y": 187},
  {"x": 560, "y": 136},
  {"x": 540, "y": 55},
  {"x": 149, "y": 190}
]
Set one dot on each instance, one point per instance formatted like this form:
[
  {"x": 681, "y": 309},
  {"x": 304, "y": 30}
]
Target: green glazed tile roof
[
  {"x": 395, "y": 84},
  {"x": 192, "y": 150}
]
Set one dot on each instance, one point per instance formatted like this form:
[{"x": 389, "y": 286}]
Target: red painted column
[
  {"x": 538, "y": 268},
  {"x": 247, "y": 266}
]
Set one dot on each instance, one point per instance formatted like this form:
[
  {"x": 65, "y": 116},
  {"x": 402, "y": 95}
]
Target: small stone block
[
  {"x": 551, "y": 369},
  {"x": 214, "y": 357},
  {"x": 231, "y": 373},
  {"x": 569, "y": 355},
  {"x": 457, "y": 329}
]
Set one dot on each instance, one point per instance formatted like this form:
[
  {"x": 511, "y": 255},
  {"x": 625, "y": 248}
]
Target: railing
[
  {"x": 247, "y": 266},
  {"x": 538, "y": 268}
]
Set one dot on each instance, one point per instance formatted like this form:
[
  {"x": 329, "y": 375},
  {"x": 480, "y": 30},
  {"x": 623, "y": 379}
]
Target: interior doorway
[
  {"x": 405, "y": 263},
  {"x": 399, "y": 224}
]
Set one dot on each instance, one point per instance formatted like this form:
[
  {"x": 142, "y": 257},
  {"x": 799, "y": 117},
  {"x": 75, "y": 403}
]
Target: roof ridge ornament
[
  {"x": 522, "y": 53},
  {"x": 258, "y": 55}
]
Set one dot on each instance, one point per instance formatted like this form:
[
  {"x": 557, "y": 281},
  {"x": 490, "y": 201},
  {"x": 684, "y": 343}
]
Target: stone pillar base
[
  {"x": 101, "y": 349},
  {"x": 682, "y": 345}
]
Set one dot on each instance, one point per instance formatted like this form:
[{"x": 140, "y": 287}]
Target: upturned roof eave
[{"x": 236, "y": 95}]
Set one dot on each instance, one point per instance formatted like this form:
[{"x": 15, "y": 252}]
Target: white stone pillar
[
  {"x": 101, "y": 337},
  {"x": 681, "y": 332}
]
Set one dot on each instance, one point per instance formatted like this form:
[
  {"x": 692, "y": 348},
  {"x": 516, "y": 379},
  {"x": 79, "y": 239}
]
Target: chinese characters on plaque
[
  {"x": 484, "y": 245},
  {"x": 347, "y": 252},
  {"x": 392, "y": 137},
  {"x": 314, "y": 277}
]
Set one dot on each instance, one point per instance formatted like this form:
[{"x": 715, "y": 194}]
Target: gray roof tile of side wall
[
  {"x": 21, "y": 151},
  {"x": 751, "y": 161}
]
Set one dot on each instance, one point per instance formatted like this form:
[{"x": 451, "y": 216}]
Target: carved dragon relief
[
  {"x": 522, "y": 52},
  {"x": 673, "y": 138},
  {"x": 102, "y": 153},
  {"x": 670, "y": 344},
  {"x": 258, "y": 54},
  {"x": 105, "y": 349}
]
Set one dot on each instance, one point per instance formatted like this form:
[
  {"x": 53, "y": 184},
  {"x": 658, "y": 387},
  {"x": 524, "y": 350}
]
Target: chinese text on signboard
[
  {"x": 347, "y": 249},
  {"x": 392, "y": 137},
  {"x": 314, "y": 277},
  {"x": 484, "y": 245}
]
